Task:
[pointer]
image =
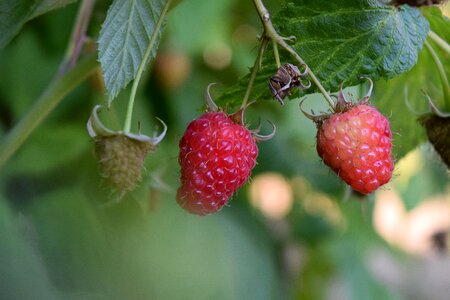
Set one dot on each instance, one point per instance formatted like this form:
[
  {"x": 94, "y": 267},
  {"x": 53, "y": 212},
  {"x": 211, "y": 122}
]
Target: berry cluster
[{"x": 218, "y": 153}]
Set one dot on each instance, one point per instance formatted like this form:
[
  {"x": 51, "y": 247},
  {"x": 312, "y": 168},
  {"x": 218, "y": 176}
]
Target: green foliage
[
  {"x": 121, "y": 253},
  {"x": 403, "y": 98},
  {"x": 15, "y": 13},
  {"x": 44, "y": 6},
  {"x": 124, "y": 39},
  {"x": 439, "y": 23},
  {"x": 37, "y": 74},
  {"x": 22, "y": 270},
  {"x": 441, "y": 26},
  {"x": 191, "y": 16},
  {"x": 35, "y": 158},
  {"x": 342, "y": 41},
  {"x": 430, "y": 180}
]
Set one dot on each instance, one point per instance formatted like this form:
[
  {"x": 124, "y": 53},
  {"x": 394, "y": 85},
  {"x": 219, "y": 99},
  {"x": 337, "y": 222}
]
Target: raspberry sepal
[{"x": 121, "y": 155}]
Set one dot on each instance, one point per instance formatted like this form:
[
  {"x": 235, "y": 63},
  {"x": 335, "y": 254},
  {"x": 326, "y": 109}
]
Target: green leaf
[
  {"x": 403, "y": 98},
  {"x": 342, "y": 41},
  {"x": 71, "y": 239},
  {"x": 439, "y": 23},
  {"x": 404, "y": 101},
  {"x": 50, "y": 147},
  {"x": 124, "y": 39},
  {"x": 14, "y": 61},
  {"x": 345, "y": 40},
  {"x": 45, "y": 6},
  {"x": 15, "y": 13},
  {"x": 120, "y": 251},
  {"x": 22, "y": 271}
]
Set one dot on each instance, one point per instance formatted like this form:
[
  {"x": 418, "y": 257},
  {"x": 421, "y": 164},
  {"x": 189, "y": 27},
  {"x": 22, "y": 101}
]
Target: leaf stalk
[
  {"x": 78, "y": 36},
  {"x": 272, "y": 34},
  {"x": 256, "y": 66},
  {"x": 442, "y": 75},
  {"x": 439, "y": 41},
  {"x": 52, "y": 96},
  {"x": 148, "y": 51}
]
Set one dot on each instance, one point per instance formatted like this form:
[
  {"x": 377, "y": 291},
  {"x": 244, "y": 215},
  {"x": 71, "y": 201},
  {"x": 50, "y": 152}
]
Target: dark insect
[{"x": 287, "y": 77}]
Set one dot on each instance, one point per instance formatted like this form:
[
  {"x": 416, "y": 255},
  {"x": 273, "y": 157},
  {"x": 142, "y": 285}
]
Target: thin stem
[
  {"x": 256, "y": 67},
  {"x": 271, "y": 33},
  {"x": 438, "y": 40},
  {"x": 78, "y": 36},
  {"x": 276, "y": 54},
  {"x": 53, "y": 94},
  {"x": 129, "y": 116},
  {"x": 442, "y": 75}
]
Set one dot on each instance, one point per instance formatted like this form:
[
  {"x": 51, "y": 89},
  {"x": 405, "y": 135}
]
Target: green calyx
[{"x": 121, "y": 155}]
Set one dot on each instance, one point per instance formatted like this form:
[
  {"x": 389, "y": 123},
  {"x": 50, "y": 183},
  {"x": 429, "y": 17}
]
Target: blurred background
[{"x": 293, "y": 232}]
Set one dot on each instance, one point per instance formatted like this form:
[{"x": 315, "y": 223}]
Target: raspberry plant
[{"x": 61, "y": 160}]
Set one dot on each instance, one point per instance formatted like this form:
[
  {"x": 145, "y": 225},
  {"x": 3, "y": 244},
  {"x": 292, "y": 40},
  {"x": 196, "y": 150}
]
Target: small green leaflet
[
  {"x": 342, "y": 41},
  {"x": 15, "y": 13},
  {"x": 124, "y": 38}
]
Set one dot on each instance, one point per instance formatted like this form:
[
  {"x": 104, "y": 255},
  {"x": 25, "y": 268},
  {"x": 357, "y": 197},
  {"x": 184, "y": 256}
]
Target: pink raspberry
[{"x": 357, "y": 144}]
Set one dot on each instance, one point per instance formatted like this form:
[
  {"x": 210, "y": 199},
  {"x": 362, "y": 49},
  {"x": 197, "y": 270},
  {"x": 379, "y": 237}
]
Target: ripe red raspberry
[
  {"x": 217, "y": 156},
  {"x": 357, "y": 144}
]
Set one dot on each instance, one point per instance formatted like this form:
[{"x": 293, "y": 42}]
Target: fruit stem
[
  {"x": 439, "y": 41},
  {"x": 53, "y": 94},
  {"x": 256, "y": 66},
  {"x": 271, "y": 33},
  {"x": 148, "y": 51},
  {"x": 442, "y": 75},
  {"x": 277, "y": 55},
  {"x": 78, "y": 36}
]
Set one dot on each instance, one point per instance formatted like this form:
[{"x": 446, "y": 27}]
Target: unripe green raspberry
[
  {"x": 121, "y": 160},
  {"x": 121, "y": 155}
]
